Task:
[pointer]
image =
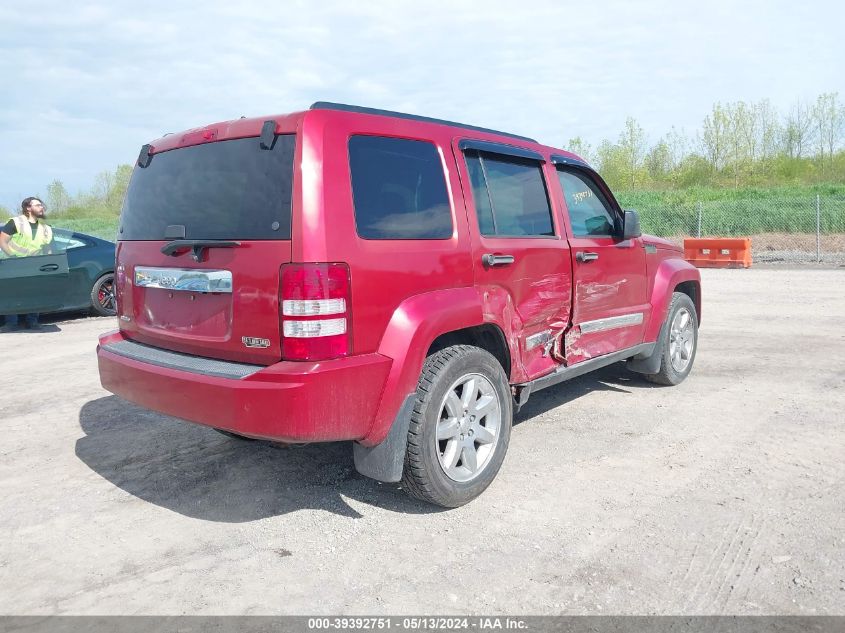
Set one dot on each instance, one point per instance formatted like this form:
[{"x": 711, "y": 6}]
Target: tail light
[
  {"x": 119, "y": 288},
  {"x": 315, "y": 306}
]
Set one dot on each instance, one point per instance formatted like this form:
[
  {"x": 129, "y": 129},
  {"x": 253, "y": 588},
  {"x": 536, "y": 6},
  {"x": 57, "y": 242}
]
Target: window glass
[
  {"x": 223, "y": 190},
  {"x": 480, "y": 195},
  {"x": 514, "y": 199},
  {"x": 399, "y": 189},
  {"x": 63, "y": 240},
  {"x": 589, "y": 212}
]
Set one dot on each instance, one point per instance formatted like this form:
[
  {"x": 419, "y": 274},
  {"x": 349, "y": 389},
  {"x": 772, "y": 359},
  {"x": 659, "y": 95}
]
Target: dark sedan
[{"x": 77, "y": 274}]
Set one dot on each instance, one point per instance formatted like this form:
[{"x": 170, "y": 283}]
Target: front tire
[
  {"x": 679, "y": 342},
  {"x": 102, "y": 296},
  {"x": 460, "y": 427}
]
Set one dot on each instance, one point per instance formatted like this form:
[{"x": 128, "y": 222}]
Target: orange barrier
[{"x": 719, "y": 252}]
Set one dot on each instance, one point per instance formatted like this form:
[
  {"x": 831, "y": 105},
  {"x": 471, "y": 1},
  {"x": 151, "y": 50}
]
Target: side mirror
[{"x": 631, "y": 225}]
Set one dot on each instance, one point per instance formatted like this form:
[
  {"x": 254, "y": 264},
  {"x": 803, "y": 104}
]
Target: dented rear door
[{"x": 521, "y": 263}]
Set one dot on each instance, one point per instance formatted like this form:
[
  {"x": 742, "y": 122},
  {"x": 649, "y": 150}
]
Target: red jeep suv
[{"x": 402, "y": 282}]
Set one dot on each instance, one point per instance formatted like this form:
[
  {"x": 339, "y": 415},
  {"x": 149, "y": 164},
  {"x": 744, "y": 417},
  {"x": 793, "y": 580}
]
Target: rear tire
[
  {"x": 460, "y": 427},
  {"x": 679, "y": 342},
  {"x": 102, "y": 296}
]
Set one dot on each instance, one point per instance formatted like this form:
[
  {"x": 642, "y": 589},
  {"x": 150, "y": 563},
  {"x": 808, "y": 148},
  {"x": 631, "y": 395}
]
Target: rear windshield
[{"x": 223, "y": 190}]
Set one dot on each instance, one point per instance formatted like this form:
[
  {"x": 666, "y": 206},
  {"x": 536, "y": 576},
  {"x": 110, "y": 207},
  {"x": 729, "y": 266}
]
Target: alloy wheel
[
  {"x": 468, "y": 427},
  {"x": 105, "y": 295},
  {"x": 681, "y": 340}
]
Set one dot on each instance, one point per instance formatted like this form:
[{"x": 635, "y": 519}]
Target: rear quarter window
[{"x": 399, "y": 189}]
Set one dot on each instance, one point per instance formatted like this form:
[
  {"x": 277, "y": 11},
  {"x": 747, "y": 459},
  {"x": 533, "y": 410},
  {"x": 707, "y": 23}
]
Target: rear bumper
[{"x": 289, "y": 401}]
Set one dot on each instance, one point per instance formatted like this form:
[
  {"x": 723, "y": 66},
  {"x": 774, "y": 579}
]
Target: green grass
[
  {"x": 738, "y": 212},
  {"x": 103, "y": 227},
  {"x": 727, "y": 212}
]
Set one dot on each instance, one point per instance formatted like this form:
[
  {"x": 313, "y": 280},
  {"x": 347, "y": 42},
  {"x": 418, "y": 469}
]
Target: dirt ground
[
  {"x": 791, "y": 248},
  {"x": 725, "y": 495},
  {"x": 830, "y": 244}
]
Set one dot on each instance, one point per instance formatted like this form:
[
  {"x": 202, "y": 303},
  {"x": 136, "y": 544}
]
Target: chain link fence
[{"x": 788, "y": 230}]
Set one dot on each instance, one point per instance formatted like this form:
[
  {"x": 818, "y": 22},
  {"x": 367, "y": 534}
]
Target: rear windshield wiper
[{"x": 197, "y": 247}]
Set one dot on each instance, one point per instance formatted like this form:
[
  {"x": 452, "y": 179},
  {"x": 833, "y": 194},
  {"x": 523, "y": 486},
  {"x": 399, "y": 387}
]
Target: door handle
[
  {"x": 586, "y": 256},
  {"x": 489, "y": 259},
  {"x": 46, "y": 268}
]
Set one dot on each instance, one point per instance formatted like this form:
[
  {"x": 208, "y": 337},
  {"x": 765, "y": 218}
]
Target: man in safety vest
[{"x": 25, "y": 235}]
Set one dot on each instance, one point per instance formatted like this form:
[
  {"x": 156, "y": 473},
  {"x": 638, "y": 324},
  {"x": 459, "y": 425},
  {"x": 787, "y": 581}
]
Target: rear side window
[
  {"x": 223, "y": 190},
  {"x": 399, "y": 189},
  {"x": 510, "y": 196}
]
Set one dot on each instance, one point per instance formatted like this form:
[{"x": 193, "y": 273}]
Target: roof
[{"x": 328, "y": 105}]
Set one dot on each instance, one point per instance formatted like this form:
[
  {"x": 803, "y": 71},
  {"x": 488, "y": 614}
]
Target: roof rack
[{"x": 328, "y": 105}]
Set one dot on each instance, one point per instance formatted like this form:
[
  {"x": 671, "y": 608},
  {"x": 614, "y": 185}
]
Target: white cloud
[{"x": 95, "y": 80}]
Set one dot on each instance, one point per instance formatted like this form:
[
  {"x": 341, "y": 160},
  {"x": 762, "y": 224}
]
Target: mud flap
[
  {"x": 384, "y": 462},
  {"x": 651, "y": 364}
]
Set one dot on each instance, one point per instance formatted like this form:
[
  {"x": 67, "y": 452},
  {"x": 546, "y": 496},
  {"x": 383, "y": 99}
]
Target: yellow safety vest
[{"x": 23, "y": 244}]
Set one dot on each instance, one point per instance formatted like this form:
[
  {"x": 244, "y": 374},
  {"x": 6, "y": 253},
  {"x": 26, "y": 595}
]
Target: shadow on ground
[
  {"x": 51, "y": 322},
  {"x": 611, "y": 378},
  {"x": 197, "y": 472},
  {"x": 22, "y": 329}
]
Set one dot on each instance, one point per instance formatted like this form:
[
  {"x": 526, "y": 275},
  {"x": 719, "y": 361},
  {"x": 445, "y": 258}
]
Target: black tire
[
  {"x": 671, "y": 373},
  {"x": 470, "y": 446},
  {"x": 102, "y": 296}
]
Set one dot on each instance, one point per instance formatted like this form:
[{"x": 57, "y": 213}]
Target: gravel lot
[{"x": 722, "y": 495}]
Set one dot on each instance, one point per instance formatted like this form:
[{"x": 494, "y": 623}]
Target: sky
[{"x": 85, "y": 84}]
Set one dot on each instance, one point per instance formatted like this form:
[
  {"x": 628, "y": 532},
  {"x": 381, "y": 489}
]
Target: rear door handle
[
  {"x": 586, "y": 256},
  {"x": 489, "y": 259},
  {"x": 46, "y": 268}
]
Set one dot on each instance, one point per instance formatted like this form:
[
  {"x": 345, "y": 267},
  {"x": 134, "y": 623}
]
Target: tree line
[
  {"x": 103, "y": 200},
  {"x": 738, "y": 145}
]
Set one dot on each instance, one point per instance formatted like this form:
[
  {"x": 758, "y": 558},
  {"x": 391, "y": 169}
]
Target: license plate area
[
  {"x": 184, "y": 279},
  {"x": 184, "y": 302}
]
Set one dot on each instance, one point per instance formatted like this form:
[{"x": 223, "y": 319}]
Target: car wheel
[
  {"x": 102, "y": 296},
  {"x": 679, "y": 341},
  {"x": 460, "y": 427}
]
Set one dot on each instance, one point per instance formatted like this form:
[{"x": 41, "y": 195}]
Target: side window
[
  {"x": 589, "y": 212},
  {"x": 63, "y": 240},
  {"x": 399, "y": 189},
  {"x": 510, "y": 196},
  {"x": 480, "y": 195}
]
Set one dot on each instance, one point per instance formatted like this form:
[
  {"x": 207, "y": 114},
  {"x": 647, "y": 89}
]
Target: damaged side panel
[
  {"x": 581, "y": 346},
  {"x": 610, "y": 305},
  {"x": 534, "y": 317}
]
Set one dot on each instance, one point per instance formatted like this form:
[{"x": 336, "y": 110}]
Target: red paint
[
  {"x": 613, "y": 285},
  {"x": 666, "y": 272},
  {"x": 401, "y": 295},
  {"x": 302, "y": 283},
  {"x": 209, "y": 324},
  {"x": 290, "y": 401}
]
